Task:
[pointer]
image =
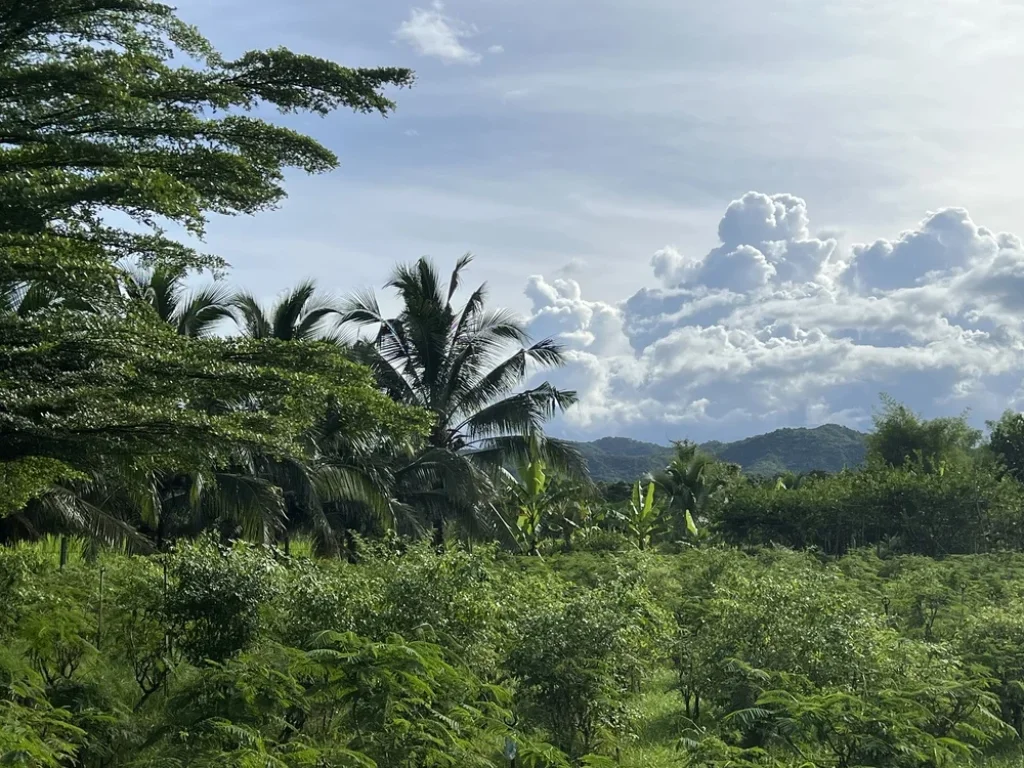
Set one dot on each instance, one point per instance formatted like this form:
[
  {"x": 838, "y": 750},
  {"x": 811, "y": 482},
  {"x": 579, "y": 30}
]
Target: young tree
[{"x": 690, "y": 480}]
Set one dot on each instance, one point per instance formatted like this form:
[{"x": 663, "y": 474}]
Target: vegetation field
[{"x": 709, "y": 657}]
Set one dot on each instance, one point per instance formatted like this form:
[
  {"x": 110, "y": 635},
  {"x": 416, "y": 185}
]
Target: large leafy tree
[
  {"x": 467, "y": 366},
  {"x": 903, "y": 438},
  {"x": 96, "y": 125}
]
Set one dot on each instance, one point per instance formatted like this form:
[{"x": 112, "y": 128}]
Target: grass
[{"x": 661, "y": 721}]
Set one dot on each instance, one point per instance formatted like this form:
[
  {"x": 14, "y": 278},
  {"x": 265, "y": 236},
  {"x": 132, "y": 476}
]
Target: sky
[{"x": 736, "y": 215}]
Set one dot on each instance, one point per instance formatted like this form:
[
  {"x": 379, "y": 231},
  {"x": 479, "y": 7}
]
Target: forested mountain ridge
[{"x": 830, "y": 447}]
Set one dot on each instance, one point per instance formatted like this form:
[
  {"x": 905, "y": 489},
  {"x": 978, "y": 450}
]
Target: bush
[{"x": 215, "y": 597}]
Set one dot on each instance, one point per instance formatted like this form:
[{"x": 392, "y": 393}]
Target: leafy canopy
[{"x": 101, "y": 140}]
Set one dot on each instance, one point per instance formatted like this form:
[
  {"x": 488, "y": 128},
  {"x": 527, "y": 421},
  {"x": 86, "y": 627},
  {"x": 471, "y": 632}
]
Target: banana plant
[
  {"x": 527, "y": 491},
  {"x": 530, "y": 521},
  {"x": 644, "y": 521}
]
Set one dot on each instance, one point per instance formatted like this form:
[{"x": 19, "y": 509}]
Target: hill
[{"x": 829, "y": 447}]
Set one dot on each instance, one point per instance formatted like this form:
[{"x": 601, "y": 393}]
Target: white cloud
[
  {"x": 432, "y": 33},
  {"x": 775, "y": 327},
  {"x": 496, "y": 49}
]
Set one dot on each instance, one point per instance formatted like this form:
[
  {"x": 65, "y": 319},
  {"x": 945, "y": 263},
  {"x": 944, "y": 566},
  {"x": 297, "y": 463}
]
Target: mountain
[{"x": 830, "y": 448}]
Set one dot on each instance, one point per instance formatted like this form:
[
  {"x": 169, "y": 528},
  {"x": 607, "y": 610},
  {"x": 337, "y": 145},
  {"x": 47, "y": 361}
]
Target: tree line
[{"x": 137, "y": 409}]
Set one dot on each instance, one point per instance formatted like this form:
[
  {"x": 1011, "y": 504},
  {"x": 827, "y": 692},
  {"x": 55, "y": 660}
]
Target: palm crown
[
  {"x": 463, "y": 364},
  {"x": 300, "y": 315},
  {"x": 194, "y": 314}
]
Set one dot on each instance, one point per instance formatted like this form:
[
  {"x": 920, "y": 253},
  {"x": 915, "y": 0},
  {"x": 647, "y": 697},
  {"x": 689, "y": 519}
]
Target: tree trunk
[
  {"x": 439, "y": 533},
  {"x": 63, "y": 551}
]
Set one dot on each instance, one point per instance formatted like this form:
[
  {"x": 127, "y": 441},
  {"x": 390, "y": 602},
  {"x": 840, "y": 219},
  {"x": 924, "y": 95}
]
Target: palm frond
[
  {"x": 253, "y": 503},
  {"x": 290, "y": 309},
  {"x": 164, "y": 291},
  {"x": 453, "y": 283},
  {"x": 388, "y": 378},
  {"x": 507, "y": 375},
  {"x": 312, "y": 324},
  {"x": 199, "y": 312},
  {"x": 68, "y": 510},
  {"x": 252, "y": 318},
  {"x": 361, "y": 308},
  {"x": 516, "y": 451},
  {"x": 36, "y": 298},
  {"x": 520, "y": 414},
  {"x": 338, "y": 483}
]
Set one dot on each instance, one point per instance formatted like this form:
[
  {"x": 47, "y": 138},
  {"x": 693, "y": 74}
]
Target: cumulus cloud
[
  {"x": 764, "y": 239},
  {"x": 945, "y": 241},
  {"x": 777, "y": 327},
  {"x": 433, "y": 33}
]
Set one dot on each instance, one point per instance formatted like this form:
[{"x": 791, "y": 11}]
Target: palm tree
[
  {"x": 690, "y": 479},
  {"x": 466, "y": 366},
  {"x": 300, "y": 315},
  {"x": 24, "y": 299},
  {"x": 194, "y": 314},
  {"x": 96, "y": 509}
]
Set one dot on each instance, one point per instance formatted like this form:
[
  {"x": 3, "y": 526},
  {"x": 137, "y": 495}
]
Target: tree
[
  {"x": 465, "y": 366},
  {"x": 644, "y": 520},
  {"x": 1007, "y": 442},
  {"x": 193, "y": 314},
  {"x": 527, "y": 491},
  {"x": 95, "y": 120},
  {"x": 903, "y": 437},
  {"x": 300, "y": 315},
  {"x": 690, "y": 479}
]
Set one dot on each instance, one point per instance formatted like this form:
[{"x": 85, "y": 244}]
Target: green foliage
[
  {"x": 214, "y": 598},
  {"x": 963, "y": 508},
  {"x": 643, "y": 520},
  {"x": 110, "y": 378},
  {"x": 903, "y": 438},
  {"x": 464, "y": 366},
  {"x": 25, "y": 479},
  {"x": 1007, "y": 442},
  {"x": 571, "y": 661},
  {"x": 412, "y": 658},
  {"x": 691, "y": 480}
]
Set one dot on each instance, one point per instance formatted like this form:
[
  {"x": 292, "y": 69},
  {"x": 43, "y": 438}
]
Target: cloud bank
[{"x": 779, "y": 326}]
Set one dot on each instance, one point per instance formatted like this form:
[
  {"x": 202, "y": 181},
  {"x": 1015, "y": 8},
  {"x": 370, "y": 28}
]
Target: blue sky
[{"x": 598, "y": 157}]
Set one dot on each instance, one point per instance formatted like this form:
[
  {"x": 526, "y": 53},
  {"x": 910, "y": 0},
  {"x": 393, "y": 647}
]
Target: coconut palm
[
  {"x": 24, "y": 299},
  {"x": 192, "y": 313},
  {"x": 302, "y": 314},
  {"x": 467, "y": 366},
  {"x": 690, "y": 479},
  {"x": 93, "y": 508}
]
